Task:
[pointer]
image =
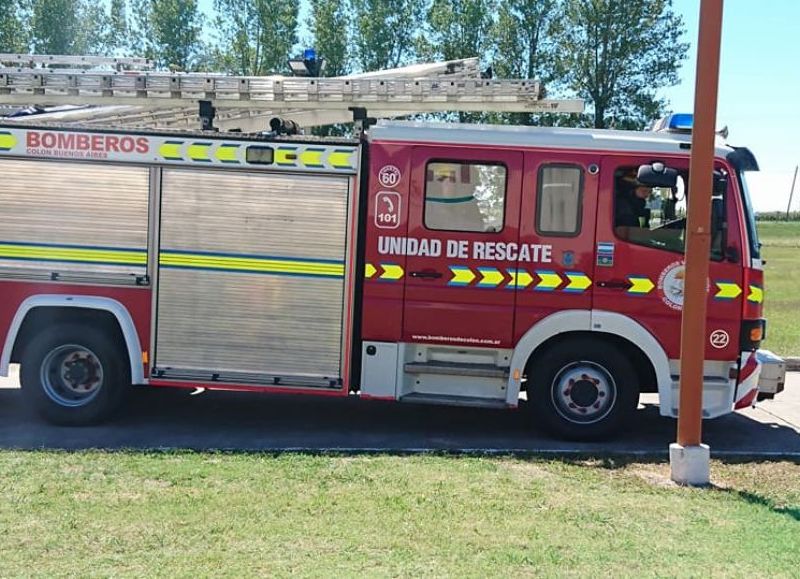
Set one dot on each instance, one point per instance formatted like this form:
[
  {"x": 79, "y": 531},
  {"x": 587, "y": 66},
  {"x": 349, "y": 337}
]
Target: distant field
[
  {"x": 95, "y": 514},
  {"x": 781, "y": 249}
]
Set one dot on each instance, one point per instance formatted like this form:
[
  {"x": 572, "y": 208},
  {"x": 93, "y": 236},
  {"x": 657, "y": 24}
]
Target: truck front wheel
[
  {"x": 74, "y": 375},
  {"x": 582, "y": 390}
]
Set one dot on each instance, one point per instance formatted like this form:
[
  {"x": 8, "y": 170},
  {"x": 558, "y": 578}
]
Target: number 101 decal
[{"x": 387, "y": 210}]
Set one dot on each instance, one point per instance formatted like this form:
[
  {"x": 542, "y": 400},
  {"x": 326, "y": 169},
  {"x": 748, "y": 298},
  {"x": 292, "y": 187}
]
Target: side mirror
[{"x": 657, "y": 175}]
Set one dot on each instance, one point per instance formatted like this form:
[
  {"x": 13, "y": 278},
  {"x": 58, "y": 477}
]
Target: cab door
[
  {"x": 463, "y": 233},
  {"x": 640, "y": 270},
  {"x": 558, "y": 215}
]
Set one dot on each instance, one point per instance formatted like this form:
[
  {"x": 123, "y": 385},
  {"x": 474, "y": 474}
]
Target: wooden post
[{"x": 690, "y": 461}]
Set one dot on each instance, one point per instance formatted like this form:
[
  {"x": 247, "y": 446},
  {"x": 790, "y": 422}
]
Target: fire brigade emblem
[{"x": 670, "y": 285}]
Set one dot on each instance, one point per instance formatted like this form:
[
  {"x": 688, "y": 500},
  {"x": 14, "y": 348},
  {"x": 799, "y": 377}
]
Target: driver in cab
[{"x": 630, "y": 203}]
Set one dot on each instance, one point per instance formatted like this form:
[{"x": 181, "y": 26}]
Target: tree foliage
[
  {"x": 168, "y": 32},
  {"x": 525, "y": 37},
  {"x": 255, "y": 36},
  {"x": 117, "y": 38},
  {"x": 384, "y": 31},
  {"x": 328, "y": 23},
  {"x": 13, "y": 35},
  {"x": 457, "y": 29},
  {"x": 66, "y": 26},
  {"x": 617, "y": 54}
]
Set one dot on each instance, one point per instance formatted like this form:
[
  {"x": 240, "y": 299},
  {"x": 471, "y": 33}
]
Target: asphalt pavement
[{"x": 181, "y": 419}]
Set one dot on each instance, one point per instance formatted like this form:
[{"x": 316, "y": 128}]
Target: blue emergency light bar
[{"x": 674, "y": 123}]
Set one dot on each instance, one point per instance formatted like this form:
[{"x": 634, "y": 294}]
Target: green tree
[
  {"x": 168, "y": 32},
  {"x": 175, "y": 26},
  {"x": 66, "y": 26},
  {"x": 13, "y": 33},
  {"x": 117, "y": 40},
  {"x": 385, "y": 31},
  {"x": 328, "y": 23},
  {"x": 329, "y": 27},
  {"x": 524, "y": 39},
  {"x": 255, "y": 36},
  {"x": 617, "y": 54},
  {"x": 457, "y": 29}
]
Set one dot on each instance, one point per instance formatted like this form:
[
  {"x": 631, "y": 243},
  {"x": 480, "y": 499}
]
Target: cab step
[
  {"x": 455, "y": 369},
  {"x": 447, "y": 400}
]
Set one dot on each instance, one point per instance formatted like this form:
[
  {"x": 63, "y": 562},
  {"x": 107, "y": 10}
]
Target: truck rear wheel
[
  {"x": 582, "y": 390},
  {"x": 74, "y": 375}
]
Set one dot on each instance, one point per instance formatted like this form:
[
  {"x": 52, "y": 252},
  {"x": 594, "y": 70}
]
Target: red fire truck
[{"x": 432, "y": 263}]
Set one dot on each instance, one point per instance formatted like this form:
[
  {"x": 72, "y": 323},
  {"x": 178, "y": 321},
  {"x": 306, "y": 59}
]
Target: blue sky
[
  {"x": 759, "y": 91},
  {"x": 759, "y": 87}
]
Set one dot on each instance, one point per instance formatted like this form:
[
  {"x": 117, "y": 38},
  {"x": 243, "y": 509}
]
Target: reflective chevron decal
[
  {"x": 727, "y": 290},
  {"x": 640, "y": 285}
]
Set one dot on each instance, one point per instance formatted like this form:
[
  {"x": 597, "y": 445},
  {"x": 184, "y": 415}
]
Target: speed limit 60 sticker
[
  {"x": 387, "y": 210},
  {"x": 389, "y": 176}
]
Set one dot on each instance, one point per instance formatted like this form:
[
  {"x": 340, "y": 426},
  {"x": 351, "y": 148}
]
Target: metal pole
[
  {"x": 689, "y": 459},
  {"x": 791, "y": 192}
]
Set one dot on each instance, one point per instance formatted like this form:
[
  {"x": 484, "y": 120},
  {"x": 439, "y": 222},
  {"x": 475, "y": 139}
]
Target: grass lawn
[
  {"x": 188, "y": 514},
  {"x": 781, "y": 249}
]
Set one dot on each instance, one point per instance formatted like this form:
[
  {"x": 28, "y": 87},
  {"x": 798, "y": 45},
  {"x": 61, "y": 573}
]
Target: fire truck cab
[{"x": 489, "y": 266}]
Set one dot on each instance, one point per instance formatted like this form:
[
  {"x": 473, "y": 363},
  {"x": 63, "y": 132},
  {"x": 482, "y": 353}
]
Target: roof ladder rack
[{"x": 53, "y": 86}]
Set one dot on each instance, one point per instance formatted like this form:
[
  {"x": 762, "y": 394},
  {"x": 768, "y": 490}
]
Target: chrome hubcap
[
  {"x": 71, "y": 375},
  {"x": 583, "y": 392}
]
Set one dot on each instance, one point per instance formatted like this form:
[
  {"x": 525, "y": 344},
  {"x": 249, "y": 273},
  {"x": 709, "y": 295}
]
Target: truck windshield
[{"x": 750, "y": 218}]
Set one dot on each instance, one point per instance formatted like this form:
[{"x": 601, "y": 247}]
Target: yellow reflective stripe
[
  {"x": 490, "y": 277},
  {"x": 257, "y": 264},
  {"x": 228, "y": 153},
  {"x": 462, "y": 276},
  {"x": 341, "y": 159},
  {"x": 199, "y": 151},
  {"x": 47, "y": 253},
  {"x": 520, "y": 279},
  {"x": 548, "y": 280},
  {"x": 391, "y": 271},
  {"x": 727, "y": 290},
  {"x": 578, "y": 282},
  {"x": 312, "y": 158},
  {"x": 756, "y": 295},
  {"x": 640, "y": 285},
  {"x": 171, "y": 150},
  {"x": 286, "y": 156},
  {"x": 7, "y": 141}
]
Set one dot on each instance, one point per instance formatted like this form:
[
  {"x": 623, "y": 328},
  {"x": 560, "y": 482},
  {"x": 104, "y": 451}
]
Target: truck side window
[
  {"x": 559, "y": 202},
  {"x": 463, "y": 196},
  {"x": 656, "y": 217}
]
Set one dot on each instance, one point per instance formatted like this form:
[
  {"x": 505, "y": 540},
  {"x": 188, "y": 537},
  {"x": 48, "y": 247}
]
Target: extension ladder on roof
[{"x": 46, "y": 85}]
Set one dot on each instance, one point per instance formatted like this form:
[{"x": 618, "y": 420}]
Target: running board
[
  {"x": 446, "y": 400},
  {"x": 452, "y": 369}
]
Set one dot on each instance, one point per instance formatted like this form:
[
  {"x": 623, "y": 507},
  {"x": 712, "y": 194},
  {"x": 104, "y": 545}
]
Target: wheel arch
[
  {"x": 648, "y": 356},
  {"x": 32, "y": 313}
]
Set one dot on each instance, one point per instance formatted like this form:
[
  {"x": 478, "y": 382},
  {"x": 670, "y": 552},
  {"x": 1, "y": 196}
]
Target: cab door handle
[
  {"x": 426, "y": 274},
  {"x": 614, "y": 284}
]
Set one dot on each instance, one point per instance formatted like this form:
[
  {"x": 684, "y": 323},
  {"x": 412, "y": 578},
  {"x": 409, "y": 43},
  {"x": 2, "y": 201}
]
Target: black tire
[
  {"x": 582, "y": 389},
  {"x": 74, "y": 375}
]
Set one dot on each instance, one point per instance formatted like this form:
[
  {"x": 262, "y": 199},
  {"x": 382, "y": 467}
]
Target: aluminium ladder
[{"x": 55, "y": 86}]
